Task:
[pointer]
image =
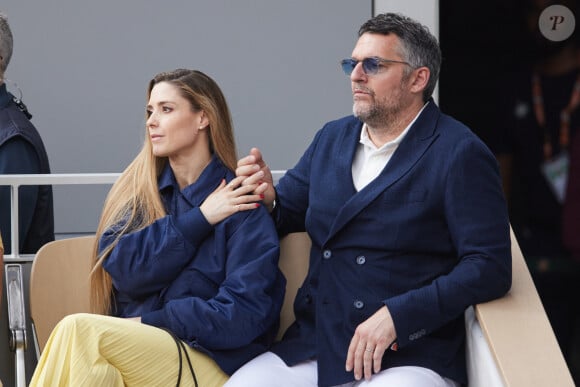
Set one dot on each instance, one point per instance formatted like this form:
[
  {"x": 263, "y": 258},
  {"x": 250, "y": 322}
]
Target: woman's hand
[{"x": 227, "y": 199}]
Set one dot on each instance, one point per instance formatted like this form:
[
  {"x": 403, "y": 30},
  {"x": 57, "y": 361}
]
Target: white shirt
[{"x": 369, "y": 160}]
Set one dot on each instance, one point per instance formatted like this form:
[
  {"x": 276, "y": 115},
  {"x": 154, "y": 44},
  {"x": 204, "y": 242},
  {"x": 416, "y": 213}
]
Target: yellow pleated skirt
[{"x": 93, "y": 350}]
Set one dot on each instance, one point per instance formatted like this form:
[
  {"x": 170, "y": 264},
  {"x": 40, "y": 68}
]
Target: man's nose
[{"x": 358, "y": 73}]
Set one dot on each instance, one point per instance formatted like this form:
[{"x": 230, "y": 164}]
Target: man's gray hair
[
  {"x": 6, "y": 43},
  {"x": 418, "y": 46}
]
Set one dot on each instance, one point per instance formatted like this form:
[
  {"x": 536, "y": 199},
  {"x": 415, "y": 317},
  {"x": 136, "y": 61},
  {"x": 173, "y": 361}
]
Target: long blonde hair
[{"x": 134, "y": 201}]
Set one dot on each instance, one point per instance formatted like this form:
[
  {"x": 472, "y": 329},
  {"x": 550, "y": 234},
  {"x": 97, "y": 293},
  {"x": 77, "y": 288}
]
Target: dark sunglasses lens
[
  {"x": 370, "y": 65},
  {"x": 348, "y": 65}
]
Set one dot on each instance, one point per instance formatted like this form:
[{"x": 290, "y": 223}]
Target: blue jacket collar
[{"x": 207, "y": 182}]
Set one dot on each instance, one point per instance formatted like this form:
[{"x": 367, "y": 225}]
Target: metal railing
[{"x": 15, "y": 181}]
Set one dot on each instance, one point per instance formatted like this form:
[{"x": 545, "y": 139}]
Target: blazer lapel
[{"x": 414, "y": 145}]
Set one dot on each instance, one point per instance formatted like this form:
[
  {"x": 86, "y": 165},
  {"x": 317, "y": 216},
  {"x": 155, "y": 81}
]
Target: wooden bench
[
  {"x": 514, "y": 331},
  {"x": 515, "y": 337},
  {"x": 519, "y": 335}
]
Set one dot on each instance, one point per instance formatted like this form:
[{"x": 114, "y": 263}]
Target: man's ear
[{"x": 419, "y": 79}]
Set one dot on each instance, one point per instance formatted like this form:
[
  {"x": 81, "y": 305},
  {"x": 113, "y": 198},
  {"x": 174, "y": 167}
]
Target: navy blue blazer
[{"x": 427, "y": 238}]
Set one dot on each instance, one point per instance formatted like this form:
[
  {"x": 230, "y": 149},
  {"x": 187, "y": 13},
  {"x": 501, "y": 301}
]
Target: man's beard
[
  {"x": 376, "y": 115},
  {"x": 367, "y": 113}
]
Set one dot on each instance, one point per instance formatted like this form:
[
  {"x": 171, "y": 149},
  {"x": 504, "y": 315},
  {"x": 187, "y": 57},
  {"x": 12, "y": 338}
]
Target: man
[
  {"x": 21, "y": 151},
  {"x": 408, "y": 223}
]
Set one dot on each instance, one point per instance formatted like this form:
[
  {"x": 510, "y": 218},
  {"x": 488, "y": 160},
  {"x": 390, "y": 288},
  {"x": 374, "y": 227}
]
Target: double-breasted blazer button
[
  {"x": 358, "y": 304},
  {"x": 360, "y": 260},
  {"x": 326, "y": 254},
  {"x": 417, "y": 335}
]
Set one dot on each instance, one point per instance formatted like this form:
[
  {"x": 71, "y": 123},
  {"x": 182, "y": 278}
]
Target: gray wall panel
[{"x": 83, "y": 67}]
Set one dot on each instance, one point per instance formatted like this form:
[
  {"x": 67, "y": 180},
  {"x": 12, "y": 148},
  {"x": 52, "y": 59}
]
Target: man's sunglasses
[{"x": 370, "y": 65}]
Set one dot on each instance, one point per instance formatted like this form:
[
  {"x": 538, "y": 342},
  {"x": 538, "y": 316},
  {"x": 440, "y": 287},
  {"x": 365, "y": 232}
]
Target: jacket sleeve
[
  {"x": 476, "y": 216},
  {"x": 148, "y": 260},
  {"x": 292, "y": 192},
  {"x": 17, "y": 156},
  {"x": 247, "y": 302}
]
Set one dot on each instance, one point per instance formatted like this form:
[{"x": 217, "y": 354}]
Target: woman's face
[{"x": 173, "y": 127}]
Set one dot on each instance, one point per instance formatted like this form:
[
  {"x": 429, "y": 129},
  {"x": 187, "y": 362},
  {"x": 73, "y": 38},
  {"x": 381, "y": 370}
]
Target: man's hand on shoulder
[{"x": 257, "y": 172}]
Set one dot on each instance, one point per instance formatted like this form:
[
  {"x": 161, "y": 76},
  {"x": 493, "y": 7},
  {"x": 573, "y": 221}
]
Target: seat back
[
  {"x": 1, "y": 274},
  {"x": 515, "y": 328},
  {"x": 59, "y": 284},
  {"x": 59, "y": 280},
  {"x": 517, "y": 344},
  {"x": 1, "y": 265},
  {"x": 516, "y": 331},
  {"x": 519, "y": 335},
  {"x": 294, "y": 261}
]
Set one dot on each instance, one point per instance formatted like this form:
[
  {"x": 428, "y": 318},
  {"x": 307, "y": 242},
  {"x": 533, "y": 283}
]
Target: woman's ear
[{"x": 203, "y": 120}]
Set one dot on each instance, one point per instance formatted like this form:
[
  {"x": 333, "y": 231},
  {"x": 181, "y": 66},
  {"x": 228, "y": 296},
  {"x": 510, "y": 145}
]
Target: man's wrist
[{"x": 275, "y": 203}]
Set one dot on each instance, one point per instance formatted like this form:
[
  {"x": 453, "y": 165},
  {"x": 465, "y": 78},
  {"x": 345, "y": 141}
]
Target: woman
[{"x": 178, "y": 249}]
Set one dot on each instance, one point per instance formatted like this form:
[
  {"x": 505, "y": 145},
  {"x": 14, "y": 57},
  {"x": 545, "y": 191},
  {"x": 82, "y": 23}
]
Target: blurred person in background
[
  {"x": 540, "y": 121},
  {"x": 21, "y": 152}
]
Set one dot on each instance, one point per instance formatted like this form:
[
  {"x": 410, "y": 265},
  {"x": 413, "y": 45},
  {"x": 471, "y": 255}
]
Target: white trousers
[{"x": 269, "y": 370}]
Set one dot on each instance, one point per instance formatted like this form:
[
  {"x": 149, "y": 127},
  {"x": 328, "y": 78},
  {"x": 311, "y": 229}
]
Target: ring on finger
[{"x": 369, "y": 350}]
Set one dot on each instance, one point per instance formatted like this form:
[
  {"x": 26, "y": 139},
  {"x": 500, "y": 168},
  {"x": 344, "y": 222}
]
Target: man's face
[{"x": 377, "y": 97}]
